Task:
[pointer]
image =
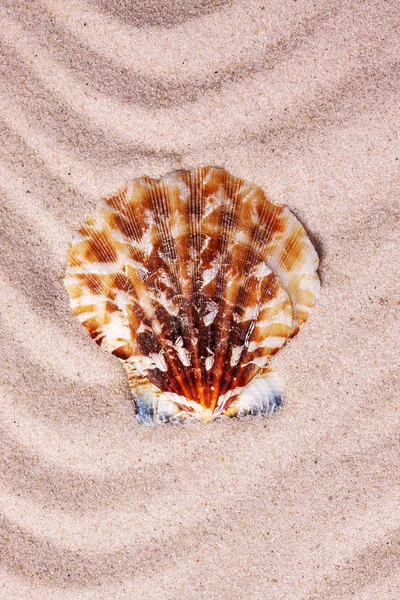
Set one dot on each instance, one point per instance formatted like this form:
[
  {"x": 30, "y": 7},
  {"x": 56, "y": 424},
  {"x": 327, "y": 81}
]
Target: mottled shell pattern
[{"x": 193, "y": 281}]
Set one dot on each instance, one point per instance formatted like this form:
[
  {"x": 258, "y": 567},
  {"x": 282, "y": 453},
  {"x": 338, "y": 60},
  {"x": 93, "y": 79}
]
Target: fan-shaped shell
[{"x": 194, "y": 281}]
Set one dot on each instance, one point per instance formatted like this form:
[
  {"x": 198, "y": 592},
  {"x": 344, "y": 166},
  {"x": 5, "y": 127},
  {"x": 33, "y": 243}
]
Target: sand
[{"x": 302, "y": 98}]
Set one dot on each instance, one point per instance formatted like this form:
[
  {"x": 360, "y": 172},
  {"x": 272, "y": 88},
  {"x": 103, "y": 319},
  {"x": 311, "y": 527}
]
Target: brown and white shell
[{"x": 194, "y": 281}]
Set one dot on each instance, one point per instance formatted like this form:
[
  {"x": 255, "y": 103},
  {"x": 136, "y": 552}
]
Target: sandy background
[{"x": 301, "y": 97}]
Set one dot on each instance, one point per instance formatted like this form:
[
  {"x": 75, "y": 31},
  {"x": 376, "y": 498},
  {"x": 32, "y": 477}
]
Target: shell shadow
[
  {"x": 318, "y": 244},
  {"x": 320, "y": 248}
]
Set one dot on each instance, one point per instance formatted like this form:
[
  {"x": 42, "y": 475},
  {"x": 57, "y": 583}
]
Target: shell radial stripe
[{"x": 194, "y": 281}]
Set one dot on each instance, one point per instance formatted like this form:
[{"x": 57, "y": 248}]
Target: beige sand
[{"x": 301, "y": 97}]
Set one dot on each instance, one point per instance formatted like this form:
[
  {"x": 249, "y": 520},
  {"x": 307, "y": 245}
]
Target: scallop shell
[{"x": 194, "y": 281}]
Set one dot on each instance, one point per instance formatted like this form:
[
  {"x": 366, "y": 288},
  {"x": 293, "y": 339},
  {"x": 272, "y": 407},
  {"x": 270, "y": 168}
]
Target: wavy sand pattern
[{"x": 301, "y": 97}]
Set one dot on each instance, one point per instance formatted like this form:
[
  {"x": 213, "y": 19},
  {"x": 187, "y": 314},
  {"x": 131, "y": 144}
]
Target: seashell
[{"x": 194, "y": 281}]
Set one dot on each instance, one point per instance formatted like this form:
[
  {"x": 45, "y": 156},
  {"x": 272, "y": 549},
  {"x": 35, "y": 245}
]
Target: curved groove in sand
[
  {"x": 42, "y": 351},
  {"x": 138, "y": 47},
  {"x": 32, "y": 209},
  {"x": 133, "y": 124}
]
